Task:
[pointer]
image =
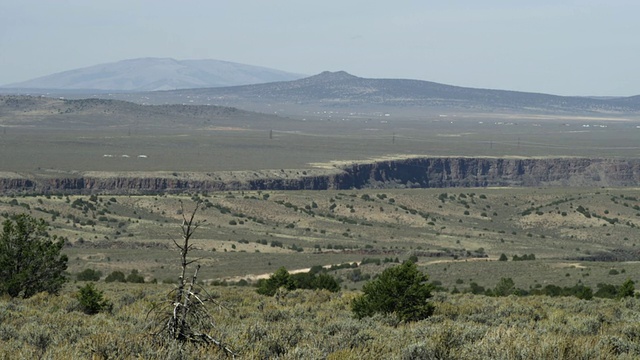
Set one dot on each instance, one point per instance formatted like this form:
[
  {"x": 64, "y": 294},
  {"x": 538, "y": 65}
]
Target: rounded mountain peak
[{"x": 333, "y": 76}]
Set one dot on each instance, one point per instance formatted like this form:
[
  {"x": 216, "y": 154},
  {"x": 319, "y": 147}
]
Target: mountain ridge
[
  {"x": 340, "y": 89},
  {"x": 152, "y": 74}
]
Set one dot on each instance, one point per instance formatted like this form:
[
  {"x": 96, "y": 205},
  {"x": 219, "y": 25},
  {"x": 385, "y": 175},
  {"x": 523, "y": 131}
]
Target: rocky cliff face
[
  {"x": 491, "y": 172},
  {"x": 420, "y": 172}
]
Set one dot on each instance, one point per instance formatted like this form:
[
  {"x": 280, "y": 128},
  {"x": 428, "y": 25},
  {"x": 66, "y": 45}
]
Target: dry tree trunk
[{"x": 188, "y": 309}]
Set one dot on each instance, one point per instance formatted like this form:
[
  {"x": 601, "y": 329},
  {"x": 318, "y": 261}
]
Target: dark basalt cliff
[
  {"x": 415, "y": 172},
  {"x": 492, "y": 172}
]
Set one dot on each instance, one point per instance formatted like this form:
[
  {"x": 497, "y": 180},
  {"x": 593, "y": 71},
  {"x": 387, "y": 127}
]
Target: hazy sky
[{"x": 565, "y": 47}]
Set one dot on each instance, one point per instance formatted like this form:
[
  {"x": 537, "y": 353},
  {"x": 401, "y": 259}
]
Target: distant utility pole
[
  {"x": 518, "y": 143},
  {"x": 270, "y": 134},
  {"x": 491, "y": 144},
  {"x": 393, "y": 139}
]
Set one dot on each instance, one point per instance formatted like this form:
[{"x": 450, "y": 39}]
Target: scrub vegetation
[
  {"x": 318, "y": 324},
  {"x": 303, "y": 275}
]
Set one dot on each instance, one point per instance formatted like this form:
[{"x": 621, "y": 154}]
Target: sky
[{"x": 563, "y": 47}]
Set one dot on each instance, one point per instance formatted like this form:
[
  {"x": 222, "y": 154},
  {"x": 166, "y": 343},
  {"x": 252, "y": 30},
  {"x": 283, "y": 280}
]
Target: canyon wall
[{"x": 415, "y": 172}]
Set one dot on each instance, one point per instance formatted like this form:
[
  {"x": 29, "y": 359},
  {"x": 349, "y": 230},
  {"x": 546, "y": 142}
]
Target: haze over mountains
[
  {"x": 151, "y": 74},
  {"x": 341, "y": 91},
  {"x": 213, "y": 82}
]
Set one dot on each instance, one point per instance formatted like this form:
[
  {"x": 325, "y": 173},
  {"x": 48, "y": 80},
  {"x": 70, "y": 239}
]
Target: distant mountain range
[
  {"x": 343, "y": 91},
  {"x": 151, "y": 74},
  {"x": 213, "y": 82}
]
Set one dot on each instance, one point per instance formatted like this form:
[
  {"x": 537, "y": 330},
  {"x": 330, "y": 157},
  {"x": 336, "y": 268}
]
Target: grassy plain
[{"x": 258, "y": 141}]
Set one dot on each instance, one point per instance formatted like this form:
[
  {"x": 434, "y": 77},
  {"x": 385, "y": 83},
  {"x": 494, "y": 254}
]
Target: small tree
[
  {"x": 402, "y": 290},
  {"x": 135, "y": 277},
  {"x": 30, "y": 260},
  {"x": 89, "y": 275},
  {"x": 325, "y": 281},
  {"x": 583, "y": 292},
  {"x": 627, "y": 289},
  {"x": 92, "y": 300},
  {"x": 280, "y": 278},
  {"x": 505, "y": 287},
  {"x": 503, "y": 257},
  {"x": 115, "y": 276}
]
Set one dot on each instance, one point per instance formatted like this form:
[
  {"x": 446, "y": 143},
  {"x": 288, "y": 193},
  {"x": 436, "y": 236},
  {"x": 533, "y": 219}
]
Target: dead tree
[{"x": 182, "y": 316}]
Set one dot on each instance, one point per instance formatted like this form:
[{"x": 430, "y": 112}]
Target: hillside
[
  {"x": 43, "y": 112},
  {"x": 150, "y": 74},
  {"x": 343, "y": 92}
]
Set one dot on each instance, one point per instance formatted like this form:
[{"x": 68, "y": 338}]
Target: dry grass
[{"x": 318, "y": 325}]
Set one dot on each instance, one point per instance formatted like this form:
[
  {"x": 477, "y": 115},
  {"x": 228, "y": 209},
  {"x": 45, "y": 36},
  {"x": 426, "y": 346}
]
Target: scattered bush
[
  {"x": 402, "y": 290},
  {"x": 505, "y": 287},
  {"x": 579, "y": 291},
  {"x": 524, "y": 257},
  {"x": 375, "y": 261},
  {"x": 89, "y": 275},
  {"x": 280, "y": 278},
  {"x": 309, "y": 280},
  {"x": 627, "y": 289},
  {"x": 115, "y": 276},
  {"x": 607, "y": 291},
  {"x": 135, "y": 277},
  {"x": 92, "y": 300}
]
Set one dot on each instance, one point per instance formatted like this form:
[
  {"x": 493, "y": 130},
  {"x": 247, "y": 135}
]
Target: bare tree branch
[{"x": 178, "y": 317}]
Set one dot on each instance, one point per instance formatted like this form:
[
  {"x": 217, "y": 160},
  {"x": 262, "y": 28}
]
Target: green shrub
[
  {"x": 30, "y": 260},
  {"x": 115, "y": 276},
  {"x": 309, "y": 280},
  {"x": 608, "y": 291},
  {"x": 89, "y": 275},
  {"x": 135, "y": 277},
  {"x": 325, "y": 281},
  {"x": 474, "y": 288},
  {"x": 280, "y": 278},
  {"x": 525, "y": 257},
  {"x": 402, "y": 290},
  {"x": 627, "y": 289},
  {"x": 505, "y": 287},
  {"x": 370, "y": 261},
  {"x": 313, "y": 281},
  {"x": 92, "y": 300}
]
